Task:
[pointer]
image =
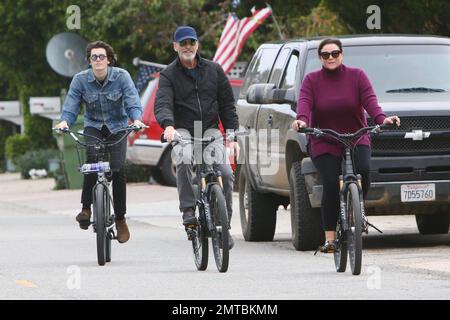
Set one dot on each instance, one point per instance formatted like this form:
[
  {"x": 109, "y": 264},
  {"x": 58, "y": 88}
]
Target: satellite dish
[{"x": 66, "y": 53}]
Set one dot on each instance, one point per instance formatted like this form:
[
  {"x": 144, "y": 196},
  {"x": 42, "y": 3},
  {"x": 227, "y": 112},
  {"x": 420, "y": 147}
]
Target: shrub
[
  {"x": 17, "y": 145},
  {"x": 137, "y": 173},
  {"x": 35, "y": 159}
]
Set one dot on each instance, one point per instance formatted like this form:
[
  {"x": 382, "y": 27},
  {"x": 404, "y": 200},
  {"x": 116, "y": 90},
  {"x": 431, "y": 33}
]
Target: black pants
[
  {"x": 116, "y": 156},
  {"x": 329, "y": 168}
]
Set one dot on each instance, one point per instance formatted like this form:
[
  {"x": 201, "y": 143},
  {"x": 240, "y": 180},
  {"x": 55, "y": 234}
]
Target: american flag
[
  {"x": 234, "y": 36},
  {"x": 146, "y": 72}
]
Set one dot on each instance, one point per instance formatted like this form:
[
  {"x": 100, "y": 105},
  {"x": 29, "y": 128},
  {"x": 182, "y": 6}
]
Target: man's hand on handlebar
[
  {"x": 61, "y": 126},
  {"x": 139, "y": 124},
  {"x": 297, "y": 124},
  {"x": 169, "y": 133}
]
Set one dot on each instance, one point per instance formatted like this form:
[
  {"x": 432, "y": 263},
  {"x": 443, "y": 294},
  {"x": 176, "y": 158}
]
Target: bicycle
[
  {"x": 103, "y": 221},
  {"x": 352, "y": 221},
  {"x": 212, "y": 212}
]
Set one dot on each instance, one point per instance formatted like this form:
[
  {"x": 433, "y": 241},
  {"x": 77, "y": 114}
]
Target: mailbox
[
  {"x": 9, "y": 109},
  {"x": 48, "y": 107}
]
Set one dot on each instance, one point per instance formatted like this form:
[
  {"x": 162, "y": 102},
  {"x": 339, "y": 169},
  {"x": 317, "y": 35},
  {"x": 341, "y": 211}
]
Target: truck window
[
  {"x": 397, "y": 66},
  {"x": 279, "y": 65},
  {"x": 259, "y": 69},
  {"x": 290, "y": 73}
]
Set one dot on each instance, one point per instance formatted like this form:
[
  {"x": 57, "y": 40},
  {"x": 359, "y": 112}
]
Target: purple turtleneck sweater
[{"x": 336, "y": 99}]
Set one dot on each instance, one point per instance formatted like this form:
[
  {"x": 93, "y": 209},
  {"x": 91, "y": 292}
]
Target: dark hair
[
  {"x": 328, "y": 41},
  {"x": 109, "y": 51}
]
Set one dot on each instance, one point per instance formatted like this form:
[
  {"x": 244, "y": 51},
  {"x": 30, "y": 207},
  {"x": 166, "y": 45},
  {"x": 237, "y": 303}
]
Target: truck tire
[
  {"x": 168, "y": 169},
  {"x": 432, "y": 223},
  {"x": 258, "y": 211},
  {"x": 165, "y": 174},
  {"x": 306, "y": 222}
]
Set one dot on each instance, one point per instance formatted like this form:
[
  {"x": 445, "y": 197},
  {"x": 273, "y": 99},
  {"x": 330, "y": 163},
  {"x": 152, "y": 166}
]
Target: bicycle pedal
[{"x": 190, "y": 233}]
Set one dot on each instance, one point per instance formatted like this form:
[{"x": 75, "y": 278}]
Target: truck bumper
[{"x": 384, "y": 197}]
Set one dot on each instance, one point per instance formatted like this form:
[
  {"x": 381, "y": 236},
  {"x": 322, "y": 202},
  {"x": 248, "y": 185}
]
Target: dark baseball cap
[{"x": 183, "y": 33}]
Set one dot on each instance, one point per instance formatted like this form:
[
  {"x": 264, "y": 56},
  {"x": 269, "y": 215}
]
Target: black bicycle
[
  {"x": 212, "y": 212},
  {"x": 352, "y": 221},
  {"x": 104, "y": 222}
]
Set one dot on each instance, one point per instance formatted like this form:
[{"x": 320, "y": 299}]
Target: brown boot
[
  {"x": 84, "y": 218},
  {"x": 123, "y": 234}
]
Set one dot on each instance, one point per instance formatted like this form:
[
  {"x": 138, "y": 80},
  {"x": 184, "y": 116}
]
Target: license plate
[{"x": 418, "y": 192}]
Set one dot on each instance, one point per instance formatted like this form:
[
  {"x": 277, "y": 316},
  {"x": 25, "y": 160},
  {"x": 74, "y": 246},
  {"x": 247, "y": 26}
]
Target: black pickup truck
[{"x": 410, "y": 173}]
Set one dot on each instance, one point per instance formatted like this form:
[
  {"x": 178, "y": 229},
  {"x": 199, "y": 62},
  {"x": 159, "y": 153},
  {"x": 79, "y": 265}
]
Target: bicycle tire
[
  {"x": 200, "y": 247},
  {"x": 340, "y": 254},
  {"x": 354, "y": 232},
  {"x": 110, "y": 222},
  {"x": 219, "y": 236},
  {"x": 100, "y": 222}
]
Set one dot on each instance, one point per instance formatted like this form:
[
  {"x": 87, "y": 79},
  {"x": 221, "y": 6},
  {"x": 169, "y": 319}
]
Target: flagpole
[
  {"x": 276, "y": 23},
  {"x": 137, "y": 61}
]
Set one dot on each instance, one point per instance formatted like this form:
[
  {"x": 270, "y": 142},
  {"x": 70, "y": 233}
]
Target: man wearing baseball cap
[{"x": 193, "y": 90}]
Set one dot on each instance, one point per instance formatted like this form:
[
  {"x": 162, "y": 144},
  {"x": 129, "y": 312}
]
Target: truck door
[
  {"x": 258, "y": 72},
  {"x": 276, "y": 119}
]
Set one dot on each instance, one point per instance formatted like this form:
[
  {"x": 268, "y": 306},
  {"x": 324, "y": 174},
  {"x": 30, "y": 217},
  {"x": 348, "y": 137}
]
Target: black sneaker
[
  {"x": 328, "y": 247},
  {"x": 189, "y": 218}
]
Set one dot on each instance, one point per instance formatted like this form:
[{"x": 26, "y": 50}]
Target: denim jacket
[{"x": 111, "y": 104}]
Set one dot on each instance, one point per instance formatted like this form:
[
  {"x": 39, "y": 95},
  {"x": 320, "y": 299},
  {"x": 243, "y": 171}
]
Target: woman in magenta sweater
[{"x": 335, "y": 97}]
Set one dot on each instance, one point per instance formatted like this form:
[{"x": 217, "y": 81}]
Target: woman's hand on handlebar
[
  {"x": 392, "y": 120},
  {"x": 297, "y": 124}
]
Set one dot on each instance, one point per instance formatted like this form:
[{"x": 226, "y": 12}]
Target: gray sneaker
[
  {"x": 230, "y": 241},
  {"x": 189, "y": 218}
]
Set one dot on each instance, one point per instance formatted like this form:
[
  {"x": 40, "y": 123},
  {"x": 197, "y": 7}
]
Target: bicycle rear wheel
[
  {"x": 100, "y": 222},
  {"x": 354, "y": 232},
  {"x": 340, "y": 254},
  {"x": 219, "y": 236}
]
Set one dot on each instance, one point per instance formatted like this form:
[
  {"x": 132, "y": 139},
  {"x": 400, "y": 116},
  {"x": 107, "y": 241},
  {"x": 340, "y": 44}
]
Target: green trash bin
[{"x": 69, "y": 156}]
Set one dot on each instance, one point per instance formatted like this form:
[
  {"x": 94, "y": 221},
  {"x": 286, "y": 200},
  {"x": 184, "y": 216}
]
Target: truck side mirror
[{"x": 267, "y": 93}]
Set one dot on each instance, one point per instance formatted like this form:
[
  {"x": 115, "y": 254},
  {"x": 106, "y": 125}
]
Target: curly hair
[{"x": 112, "y": 57}]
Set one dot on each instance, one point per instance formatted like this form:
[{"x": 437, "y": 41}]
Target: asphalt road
[{"x": 44, "y": 255}]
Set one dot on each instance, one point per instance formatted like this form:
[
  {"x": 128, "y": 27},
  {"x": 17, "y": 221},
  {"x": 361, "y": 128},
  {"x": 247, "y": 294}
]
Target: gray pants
[
  {"x": 183, "y": 156},
  {"x": 186, "y": 192}
]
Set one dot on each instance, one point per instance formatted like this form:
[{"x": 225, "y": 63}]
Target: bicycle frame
[
  {"x": 351, "y": 223},
  {"x": 103, "y": 220},
  {"x": 345, "y": 179}
]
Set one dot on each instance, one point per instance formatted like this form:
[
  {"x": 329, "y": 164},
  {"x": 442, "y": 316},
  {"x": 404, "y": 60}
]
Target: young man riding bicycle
[
  {"x": 111, "y": 99},
  {"x": 195, "y": 91}
]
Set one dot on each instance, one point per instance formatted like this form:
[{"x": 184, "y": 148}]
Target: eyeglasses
[
  {"x": 94, "y": 57},
  {"x": 326, "y": 55},
  {"x": 185, "y": 42}
]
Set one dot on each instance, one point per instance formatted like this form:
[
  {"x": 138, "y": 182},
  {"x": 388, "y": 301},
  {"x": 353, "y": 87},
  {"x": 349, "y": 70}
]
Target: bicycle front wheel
[
  {"x": 340, "y": 254},
  {"x": 219, "y": 235},
  {"x": 200, "y": 246},
  {"x": 99, "y": 206},
  {"x": 110, "y": 222},
  {"x": 354, "y": 232}
]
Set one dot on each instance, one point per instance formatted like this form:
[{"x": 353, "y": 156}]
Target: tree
[{"x": 401, "y": 16}]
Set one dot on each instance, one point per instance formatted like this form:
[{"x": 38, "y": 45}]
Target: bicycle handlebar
[
  {"x": 345, "y": 138},
  {"x": 73, "y": 134},
  {"x": 229, "y": 136}
]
